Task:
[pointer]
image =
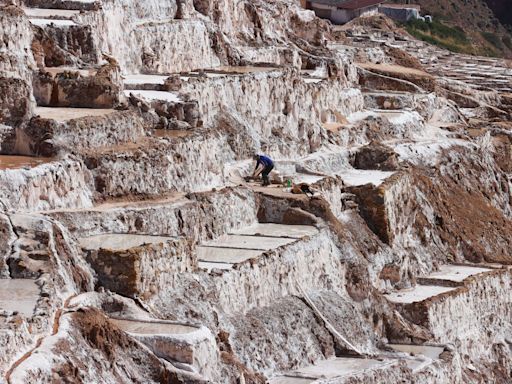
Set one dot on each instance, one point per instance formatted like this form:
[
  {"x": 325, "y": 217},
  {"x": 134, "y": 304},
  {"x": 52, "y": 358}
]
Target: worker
[{"x": 264, "y": 165}]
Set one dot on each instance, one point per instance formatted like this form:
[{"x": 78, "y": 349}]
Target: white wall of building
[{"x": 342, "y": 16}]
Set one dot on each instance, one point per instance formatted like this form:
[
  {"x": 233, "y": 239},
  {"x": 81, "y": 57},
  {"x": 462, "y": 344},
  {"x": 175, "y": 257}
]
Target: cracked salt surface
[
  {"x": 417, "y": 294},
  {"x": 456, "y": 273},
  {"x": 153, "y": 328},
  {"x": 121, "y": 241},
  {"x": 248, "y": 242},
  {"x": 144, "y": 79},
  {"x": 278, "y": 230},
  {"x": 291, "y": 380},
  {"x": 431, "y": 352},
  {"x": 331, "y": 368},
  {"x": 154, "y": 95},
  {"x": 421, "y": 355},
  {"x": 45, "y": 13},
  {"x": 356, "y": 177},
  {"x": 226, "y": 256},
  {"x": 57, "y": 23},
  {"x": 63, "y": 114},
  {"x": 18, "y": 295}
]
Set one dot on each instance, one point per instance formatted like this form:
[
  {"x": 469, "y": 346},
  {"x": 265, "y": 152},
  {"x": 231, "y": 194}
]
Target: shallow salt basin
[
  {"x": 291, "y": 380},
  {"x": 57, "y": 23},
  {"x": 154, "y": 95},
  {"x": 394, "y": 117},
  {"x": 303, "y": 178},
  {"x": 242, "y": 69},
  {"x": 152, "y": 328},
  {"x": 16, "y": 162},
  {"x": 171, "y": 133},
  {"x": 209, "y": 265},
  {"x": 312, "y": 80},
  {"x": 18, "y": 295},
  {"x": 83, "y": 72},
  {"x": 425, "y": 350},
  {"x": 48, "y": 13},
  {"x": 456, "y": 273},
  {"x": 226, "y": 255},
  {"x": 249, "y": 242},
  {"x": 340, "y": 367},
  {"x": 278, "y": 230},
  {"x": 356, "y": 177},
  {"x": 420, "y": 355},
  {"x": 144, "y": 79},
  {"x": 417, "y": 294},
  {"x": 64, "y": 114},
  {"x": 120, "y": 241}
]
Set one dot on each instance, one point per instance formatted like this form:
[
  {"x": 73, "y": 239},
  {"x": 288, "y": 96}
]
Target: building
[
  {"x": 342, "y": 11},
  {"x": 400, "y": 12}
]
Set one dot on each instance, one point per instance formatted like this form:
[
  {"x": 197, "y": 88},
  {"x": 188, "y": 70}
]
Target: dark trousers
[{"x": 264, "y": 174}]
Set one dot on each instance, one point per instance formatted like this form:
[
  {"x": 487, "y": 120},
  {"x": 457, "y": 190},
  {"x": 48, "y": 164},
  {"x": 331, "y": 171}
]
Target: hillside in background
[
  {"x": 502, "y": 10},
  {"x": 466, "y": 26}
]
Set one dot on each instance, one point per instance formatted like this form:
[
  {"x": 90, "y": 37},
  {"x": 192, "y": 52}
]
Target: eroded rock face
[
  {"x": 16, "y": 62},
  {"x": 108, "y": 344},
  {"x": 15, "y": 101},
  {"x": 68, "y": 89},
  {"x": 376, "y": 156},
  {"x": 54, "y": 45},
  {"x": 16, "y": 57},
  {"x": 304, "y": 333}
]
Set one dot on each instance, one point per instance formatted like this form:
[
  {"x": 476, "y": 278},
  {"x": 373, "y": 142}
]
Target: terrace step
[
  {"x": 452, "y": 275},
  {"x": 402, "y": 123},
  {"x": 43, "y": 183},
  {"x": 144, "y": 83},
  {"x": 19, "y": 295},
  {"x": 389, "y": 100},
  {"x": 173, "y": 215},
  {"x": 137, "y": 265},
  {"x": 171, "y": 163},
  {"x": 66, "y": 86},
  {"x": 174, "y": 112},
  {"x": 63, "y": 42},
  {"x": 78, "y": 129},
  {"x": 460, "y": 304},
  {"x": 430, "y": 354},
  {"x": 49, "y": 13},
  {"x": 180, "y": 343},
  {"x": 447, "y": 279},
  {"x": 338, "y": 368},
  {"x": 78, "y": 5},
  {"x": 249, "y": 243}
]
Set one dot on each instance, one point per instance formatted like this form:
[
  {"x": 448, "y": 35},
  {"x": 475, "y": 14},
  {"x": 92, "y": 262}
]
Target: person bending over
[{"x": 264, "y": 165}]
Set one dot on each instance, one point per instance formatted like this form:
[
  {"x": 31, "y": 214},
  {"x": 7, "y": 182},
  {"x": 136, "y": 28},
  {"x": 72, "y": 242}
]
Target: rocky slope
[
  {"x": 134, "y": 250},
  {"x": 485, "y": 24}
]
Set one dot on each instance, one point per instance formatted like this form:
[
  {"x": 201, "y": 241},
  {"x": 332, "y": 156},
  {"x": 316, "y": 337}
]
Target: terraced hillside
[{"x": 134, "y": 250}]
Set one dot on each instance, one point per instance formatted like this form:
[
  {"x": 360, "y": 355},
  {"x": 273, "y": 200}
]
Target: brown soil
[
  {"x": 403, "y": 59},
  {"x": 107, "y": 343},
  {"x": 465, "y": 218}
]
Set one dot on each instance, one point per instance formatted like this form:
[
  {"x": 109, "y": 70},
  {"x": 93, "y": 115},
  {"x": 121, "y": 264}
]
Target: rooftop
[
  {"x": 402, "y": 6},
  {"x": 349, "y": 4}
]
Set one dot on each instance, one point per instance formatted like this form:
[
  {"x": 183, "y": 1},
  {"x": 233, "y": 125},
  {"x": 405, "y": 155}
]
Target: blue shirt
[{"x": 266, "y": 161}]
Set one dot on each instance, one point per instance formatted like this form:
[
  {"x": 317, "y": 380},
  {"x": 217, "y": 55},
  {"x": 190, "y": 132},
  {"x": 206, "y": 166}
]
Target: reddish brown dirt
[
  {"x": 107, "y": 343},
  {"x": 465, "y": 218}
]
